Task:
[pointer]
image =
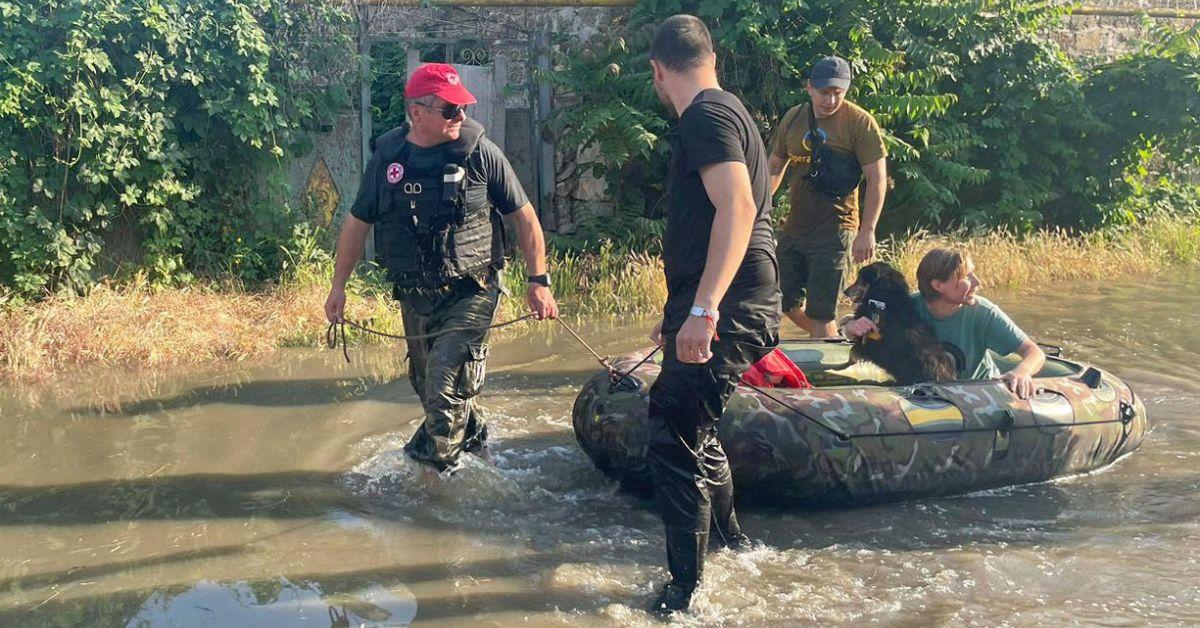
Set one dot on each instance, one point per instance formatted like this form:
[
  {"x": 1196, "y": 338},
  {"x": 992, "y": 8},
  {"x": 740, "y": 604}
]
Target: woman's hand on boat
[
  {"x": 859, "y": 327},
  {"x": 1019, "y": 382},
  {"x": 693, "y": 343},
  {"x": 1020, "y": 379},
  {"x": 656, "y": 334}
]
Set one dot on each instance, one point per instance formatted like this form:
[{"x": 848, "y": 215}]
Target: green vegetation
[
  {"x": 989, "y": 124},
  {"x": 167, "y": 122},
  {"x": 170, "y": 124},
  {"x": 388, "y": 75}
]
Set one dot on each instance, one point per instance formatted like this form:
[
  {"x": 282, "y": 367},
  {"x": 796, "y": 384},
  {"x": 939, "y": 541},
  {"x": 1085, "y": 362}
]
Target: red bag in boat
[{"x": 775, "y": 370}]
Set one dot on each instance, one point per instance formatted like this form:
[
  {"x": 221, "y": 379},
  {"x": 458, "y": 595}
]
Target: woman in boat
[{"x": 968, "y": 325}]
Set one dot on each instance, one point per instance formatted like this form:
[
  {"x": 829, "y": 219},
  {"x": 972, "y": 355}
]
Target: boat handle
[
  {"x": 1127, "y": 412},
  {"x": 1053, "y": 351},
  {"x": 924, "y": 391},
  {"x": 1091, "y": 377}
]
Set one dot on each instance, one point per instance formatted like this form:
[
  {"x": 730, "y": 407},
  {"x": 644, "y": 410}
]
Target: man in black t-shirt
[
  {"x": 723, "y": 302},
  {"x": 435, "y": 190}
]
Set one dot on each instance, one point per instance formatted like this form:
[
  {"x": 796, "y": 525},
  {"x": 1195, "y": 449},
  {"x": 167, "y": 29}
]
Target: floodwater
[{"x": 274, "y": 493}]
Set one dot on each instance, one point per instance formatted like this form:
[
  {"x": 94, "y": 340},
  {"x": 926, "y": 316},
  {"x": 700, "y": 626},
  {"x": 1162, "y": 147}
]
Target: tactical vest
[{"x": 431, "y": 229}]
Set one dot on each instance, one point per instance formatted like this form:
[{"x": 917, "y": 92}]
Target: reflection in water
[
  {"x": 275, "y": 493},
  {"x": 275, "y": 603}
]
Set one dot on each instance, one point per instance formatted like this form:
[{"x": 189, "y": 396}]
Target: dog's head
[{"x": 875, "y": 280}]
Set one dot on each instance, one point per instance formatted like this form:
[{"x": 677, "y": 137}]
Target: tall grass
[
  {"x": 1025, "y": 262},
  {"x": 134, "y": 324},
  {"x": 607, "y": 283}
]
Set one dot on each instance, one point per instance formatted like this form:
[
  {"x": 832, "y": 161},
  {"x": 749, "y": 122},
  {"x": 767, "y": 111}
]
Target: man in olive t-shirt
[{"x": 821, "y": 228}]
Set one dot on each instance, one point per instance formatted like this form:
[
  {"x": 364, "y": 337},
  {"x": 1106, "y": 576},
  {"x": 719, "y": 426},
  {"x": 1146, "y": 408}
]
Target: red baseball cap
[{"x": 441, "y": 80}]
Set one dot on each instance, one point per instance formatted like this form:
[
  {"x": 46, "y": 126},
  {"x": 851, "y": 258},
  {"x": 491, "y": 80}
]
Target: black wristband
[{"x": 542, "y": 279}]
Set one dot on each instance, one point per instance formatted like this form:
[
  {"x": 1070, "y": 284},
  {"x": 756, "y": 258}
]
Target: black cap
[{"x": 830, "y": 72}]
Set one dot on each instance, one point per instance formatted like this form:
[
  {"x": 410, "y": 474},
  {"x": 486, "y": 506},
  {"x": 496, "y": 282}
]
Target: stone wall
[
  {"x": 324, "y": 182},
  {"x": 1102, "y": 37}
]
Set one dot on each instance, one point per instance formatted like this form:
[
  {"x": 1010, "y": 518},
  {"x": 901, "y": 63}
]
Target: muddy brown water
[{"x": 273, "y": 493}]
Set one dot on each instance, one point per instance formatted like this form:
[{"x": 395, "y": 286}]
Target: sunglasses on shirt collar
[{"x": 447, "y": 110}]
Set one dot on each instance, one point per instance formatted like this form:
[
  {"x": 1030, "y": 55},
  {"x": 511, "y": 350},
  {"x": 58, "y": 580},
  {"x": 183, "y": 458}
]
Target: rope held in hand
[{"x": 336, "y": 332}]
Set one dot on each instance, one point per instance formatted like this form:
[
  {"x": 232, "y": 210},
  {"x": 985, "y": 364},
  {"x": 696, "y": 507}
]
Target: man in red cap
[{"x": 435, "y": 190}]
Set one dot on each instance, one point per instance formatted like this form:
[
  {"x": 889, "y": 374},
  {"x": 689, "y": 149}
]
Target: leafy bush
[
  {"x": 1152, "y": 143},
  {"x": 389, "y": 64},
  {"x": 606, "y": 101},
  {"x": 988, "y": 123},
  {"x": 175, "y": 116}
]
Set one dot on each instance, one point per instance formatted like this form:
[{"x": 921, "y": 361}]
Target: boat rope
[
  {"x": 970, "y": 430},
  {"x": 1126, "y": 416},
  {"x": 617, "y": 378},
  {"x": 840, "y": 435},
  {"x": 603, "y": 360},
  {"x": 336, "y": 332}
]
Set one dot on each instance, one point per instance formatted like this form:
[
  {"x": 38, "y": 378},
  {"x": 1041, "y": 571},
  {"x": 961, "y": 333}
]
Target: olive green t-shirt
[
  {"x": 850, "y": 131},
  {"x": 971, "y": 332}
]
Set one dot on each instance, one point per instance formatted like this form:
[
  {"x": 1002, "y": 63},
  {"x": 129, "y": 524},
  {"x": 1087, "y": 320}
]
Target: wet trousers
[
  {"x": 692, "y": 483},
  {"x": 447, "y": 372}
]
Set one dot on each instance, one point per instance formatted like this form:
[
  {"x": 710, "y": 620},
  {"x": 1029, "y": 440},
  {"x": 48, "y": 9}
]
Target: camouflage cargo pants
[{"x": 447, "y": 372}]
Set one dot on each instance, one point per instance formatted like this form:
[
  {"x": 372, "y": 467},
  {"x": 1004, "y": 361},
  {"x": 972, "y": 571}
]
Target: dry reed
[
  {"x": 1025, "y": 262},
  {"x": 139, "y": 325}
]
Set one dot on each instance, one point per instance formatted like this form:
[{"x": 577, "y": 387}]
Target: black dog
[{"x": 905, "y": 346}]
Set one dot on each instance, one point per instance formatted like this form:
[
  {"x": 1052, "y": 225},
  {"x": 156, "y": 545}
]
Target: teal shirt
[{"x": 970, "y": 332}]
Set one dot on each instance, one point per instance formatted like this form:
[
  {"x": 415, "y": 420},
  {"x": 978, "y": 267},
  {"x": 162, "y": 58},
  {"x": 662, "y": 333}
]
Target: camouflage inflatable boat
[{"x": 848, "y": 440}]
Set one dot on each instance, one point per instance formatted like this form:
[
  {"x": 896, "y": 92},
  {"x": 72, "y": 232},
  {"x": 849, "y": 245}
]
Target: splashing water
[{"x": 278, "y": 491}]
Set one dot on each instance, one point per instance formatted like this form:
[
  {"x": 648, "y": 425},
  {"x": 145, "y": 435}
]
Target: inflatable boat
[{"x": 854, "y": 439}]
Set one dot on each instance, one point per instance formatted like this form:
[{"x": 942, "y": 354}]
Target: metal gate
[{"x": 498, "y": 70}]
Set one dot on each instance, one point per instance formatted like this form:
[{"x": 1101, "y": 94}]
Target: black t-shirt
[
  {"x": 488, "y": 172},
  {"x": 716, "y": 128}
]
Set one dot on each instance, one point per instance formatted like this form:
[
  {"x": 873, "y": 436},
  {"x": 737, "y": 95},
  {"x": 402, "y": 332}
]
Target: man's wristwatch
[
  {"x": 542, "y": 279},
  {"x": 710, "y": 316}
]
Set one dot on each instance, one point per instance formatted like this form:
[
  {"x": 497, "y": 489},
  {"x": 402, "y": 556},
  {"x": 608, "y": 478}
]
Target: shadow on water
[
  {"x": 83, "y": 573},
  {"x": 1035, "y": 515},
  {"x": 269, "y": 394},
  {"x": 123, "y": 607},
  {"x": 78, "y": 574},
  {"x": 296, "y": 393},
  {"x": 289, "y": 495},
  {"x": 120, "y": 608}
]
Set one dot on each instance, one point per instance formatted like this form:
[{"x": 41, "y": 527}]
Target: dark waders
[{"x": 692, "y": 482}]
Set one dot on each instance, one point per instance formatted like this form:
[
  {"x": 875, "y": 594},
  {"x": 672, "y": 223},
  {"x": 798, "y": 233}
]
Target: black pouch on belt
[{"x": 831, "y": 173}]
